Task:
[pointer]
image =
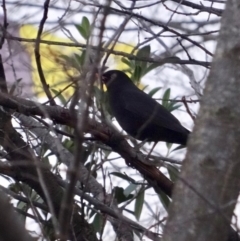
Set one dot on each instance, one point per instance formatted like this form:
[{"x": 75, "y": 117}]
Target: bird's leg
[{"x": 154, "y": 144}]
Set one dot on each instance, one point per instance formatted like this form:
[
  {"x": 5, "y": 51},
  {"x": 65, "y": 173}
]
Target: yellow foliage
[{"x": 57, "y": 72}]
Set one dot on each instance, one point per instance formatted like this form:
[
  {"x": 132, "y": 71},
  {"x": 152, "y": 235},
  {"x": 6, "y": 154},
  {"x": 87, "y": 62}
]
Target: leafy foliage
[
  {"x": 84, "y": 28},
  {"x": 140, "y": 68}
]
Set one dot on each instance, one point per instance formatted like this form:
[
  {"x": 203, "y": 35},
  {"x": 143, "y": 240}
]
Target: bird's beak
[{"x": 101, "y": 71}]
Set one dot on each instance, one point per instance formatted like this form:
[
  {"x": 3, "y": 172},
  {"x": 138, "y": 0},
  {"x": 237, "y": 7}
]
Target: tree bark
[{"x": 207, "y": 190}]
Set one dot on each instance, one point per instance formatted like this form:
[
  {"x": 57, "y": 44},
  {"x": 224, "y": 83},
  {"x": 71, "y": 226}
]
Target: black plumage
[{"x": 138, "y": 114}]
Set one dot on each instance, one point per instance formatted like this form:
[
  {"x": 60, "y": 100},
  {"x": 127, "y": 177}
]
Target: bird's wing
[{"x": 144, "y": 108}]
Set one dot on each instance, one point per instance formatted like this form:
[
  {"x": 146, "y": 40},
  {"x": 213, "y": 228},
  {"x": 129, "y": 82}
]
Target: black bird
[{"x": 138, "y": 114}]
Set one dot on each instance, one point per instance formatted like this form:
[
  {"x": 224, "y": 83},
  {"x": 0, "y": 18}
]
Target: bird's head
[{"x": 113, "y": 77}]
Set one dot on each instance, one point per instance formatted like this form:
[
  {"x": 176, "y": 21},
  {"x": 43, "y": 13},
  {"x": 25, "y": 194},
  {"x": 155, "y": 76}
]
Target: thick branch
[{"x": 102, "y": 132}]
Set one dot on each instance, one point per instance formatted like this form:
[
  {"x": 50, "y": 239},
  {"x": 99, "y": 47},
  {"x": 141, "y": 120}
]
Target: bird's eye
[
  {"x": 113, "y": 76},
  {"x": 104, "y": 78}
]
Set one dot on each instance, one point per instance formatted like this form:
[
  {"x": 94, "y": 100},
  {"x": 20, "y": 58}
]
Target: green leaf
[
  {"x": 49, "y": 229},
  {"x": 82, "y": 31},
  {"x": 84, "y": 28},
  {"x": 72, "y": 60},
  {"x": 173, "y": 172},
  {"x": 137, "y": 74},
  {"x": 130, "y": 63},
  {"x": 173, "y": 106},
  {"x": 103, "y": 101},
  {"x": 178, "y": 148},
  {"x": 164, "y": 199},
  {"x": 69, "y": 145},
  {"x": 86, "y": 24},
  {"x": 130, "y": 188},
  {"x": 23, "y": 207},
  {"x": 98, "y": 222},
  {"x": 169, "y": 105},
  {"x": 14, "y": 86},
  {"x": 126, "y": 61},
  {"x": 45, "y": 161},
  {"x": 120, "y": 196},
  {"x": 80, "y": 59},
  {"x": 151, "y": 67},
  {"x": 166, "y": 97},
  {"x": 169, "y": 145},
  {"x": 145, "y": 87},
  {"x": 91, "y": 212},
  {"x": 144, "y": 52},
  {"x": 15, "y": 187},
  {"x": 66, "y": 57},
  {"x": 123, "y": 176},
  {"x": 139, "y": 204},
  {"x": 59, "y": 95},
  {"x": 154, "y": 91},
  {"x": 101, "y": 97}
]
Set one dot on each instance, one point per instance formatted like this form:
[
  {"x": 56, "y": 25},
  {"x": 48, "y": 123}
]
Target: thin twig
[
  {"x": 187, "y": 109},
  {"x": 5, "y": 24},
  {"x": 120, "y": 53},
  {"x": 38, "y": 56}
]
